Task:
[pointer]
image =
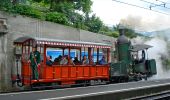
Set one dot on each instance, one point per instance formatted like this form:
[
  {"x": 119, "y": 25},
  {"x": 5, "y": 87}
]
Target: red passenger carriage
[{"x": 63, "y": 74}]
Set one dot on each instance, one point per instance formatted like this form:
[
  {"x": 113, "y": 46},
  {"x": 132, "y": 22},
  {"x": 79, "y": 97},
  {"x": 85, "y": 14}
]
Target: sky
[{"x": 112, "y": 13}]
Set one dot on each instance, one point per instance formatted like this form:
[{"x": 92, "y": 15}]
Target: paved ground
[{"x": 59, "y": 94}]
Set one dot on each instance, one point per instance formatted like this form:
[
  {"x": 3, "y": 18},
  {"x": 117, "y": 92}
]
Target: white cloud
[{"x": 112, "y": 12}]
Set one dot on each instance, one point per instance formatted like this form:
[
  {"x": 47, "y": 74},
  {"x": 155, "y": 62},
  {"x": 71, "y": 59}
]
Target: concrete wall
[
  {"x": 94, "y": 37},
  {"x": 19, "y": 26}
]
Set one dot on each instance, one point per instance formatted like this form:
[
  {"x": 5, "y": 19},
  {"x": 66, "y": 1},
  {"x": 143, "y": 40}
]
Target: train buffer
[{"x": 100, "y": 92}]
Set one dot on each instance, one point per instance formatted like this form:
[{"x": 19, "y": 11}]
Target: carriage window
[
  {"x": 30, "y": 48},
  {"x": 104, "y": 51},
  {"x": 94, "y": 54},
  {"x": 23, "y": 50},
  {"x": 101, "y": 54},
  {"x": 84, "y": 52},
  {"x": 54, "y": 53},
  {"x": 38, "y": 48},
  {"x": 42, "y": 49},
  {"x": 25, "y": 56},
  {"x": 27, "y": 50},
  {"x": 74, "y": 53},
  {"x": 65, "y": 51}
]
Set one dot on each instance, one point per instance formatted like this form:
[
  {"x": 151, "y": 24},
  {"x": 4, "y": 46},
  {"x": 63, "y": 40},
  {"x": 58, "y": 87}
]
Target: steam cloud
[
  {"x": 157, "y": 52},
  {"x": 153, "y": 23}
]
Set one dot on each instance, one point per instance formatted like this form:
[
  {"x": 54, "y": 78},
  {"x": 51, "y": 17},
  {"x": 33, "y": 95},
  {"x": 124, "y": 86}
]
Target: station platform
[{"x": 100, "y": 92}]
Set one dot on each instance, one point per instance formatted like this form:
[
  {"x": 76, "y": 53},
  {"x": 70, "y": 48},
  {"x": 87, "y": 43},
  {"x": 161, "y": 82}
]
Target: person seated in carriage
[
  {"x": 85, "y": 60},
  {"x": 58, "y": 59},
  {"x": 76, "y": 61},
  {"x": 64, "y": 60},
  {"x": 102, "y": 61},
  {"x": 71, "y": 61},
  {"x": 91, "y": 61},
  {"x": 49, "y": 61}
]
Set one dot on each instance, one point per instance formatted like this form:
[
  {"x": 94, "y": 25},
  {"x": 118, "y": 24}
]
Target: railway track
[{"x": 156, "y": 96}]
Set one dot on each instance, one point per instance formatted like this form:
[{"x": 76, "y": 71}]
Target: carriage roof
[{"x": 62, "y": 42}]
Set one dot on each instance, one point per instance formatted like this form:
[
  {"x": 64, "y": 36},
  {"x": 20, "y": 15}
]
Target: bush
[
  {"x": 57, "y": 18},
  {"x": 6, "y": 5},
  {"x": 28, "y": 11}
]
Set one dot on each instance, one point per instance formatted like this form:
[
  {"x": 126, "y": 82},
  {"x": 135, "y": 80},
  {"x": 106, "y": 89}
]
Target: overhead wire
[
  {"x": 140, "y": 7},
  {"x": 163, "y": 1},
  {"x": 155, "y": 5}
]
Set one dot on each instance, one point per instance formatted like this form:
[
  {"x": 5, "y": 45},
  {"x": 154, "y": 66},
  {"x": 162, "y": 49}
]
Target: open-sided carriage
[{"x": 68, "y": 74}]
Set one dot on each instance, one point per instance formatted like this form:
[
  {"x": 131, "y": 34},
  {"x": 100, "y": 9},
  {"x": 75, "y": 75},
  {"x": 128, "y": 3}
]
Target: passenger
[
  {"x": 71, "y": 61},
  {"x": 76, "y": 61},
  {"x": 85, "y": 61},
  {"x": 64, "y": 60},
  {"x": 102, "y": 61},
  {"x": 58, "y": 59},
  {"x": 92, "y": 61},
  {"x": 49, "y": 61}
]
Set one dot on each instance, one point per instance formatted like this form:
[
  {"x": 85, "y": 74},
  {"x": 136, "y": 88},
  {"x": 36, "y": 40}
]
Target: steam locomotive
[{"x": 125, "y": 63}]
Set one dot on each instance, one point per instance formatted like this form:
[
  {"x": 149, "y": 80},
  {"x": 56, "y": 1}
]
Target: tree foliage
[
  {"x": 94, "y": 24},
  {"x": 75, "y": 13},
  {"x": 57, "y": 18}
]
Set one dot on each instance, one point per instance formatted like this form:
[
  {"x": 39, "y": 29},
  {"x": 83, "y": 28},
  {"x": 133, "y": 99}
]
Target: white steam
[
  {"x": 144, "y": 24},
  {"x": 158, "y": 51}
]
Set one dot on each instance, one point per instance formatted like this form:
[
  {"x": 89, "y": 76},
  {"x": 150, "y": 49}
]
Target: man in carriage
[{"x": 35, "y": 62}]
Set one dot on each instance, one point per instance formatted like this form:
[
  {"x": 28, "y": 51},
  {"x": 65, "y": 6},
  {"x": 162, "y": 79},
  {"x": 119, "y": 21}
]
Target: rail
[{"x": 165, "y": 95}]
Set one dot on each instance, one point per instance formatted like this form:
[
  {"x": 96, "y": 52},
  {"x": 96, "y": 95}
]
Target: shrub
[
  {"x": 28, "y": 11},
  {"x": 57, "y": 18}
]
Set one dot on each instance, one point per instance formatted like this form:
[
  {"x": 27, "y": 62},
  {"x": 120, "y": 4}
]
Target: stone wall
[{"x": 19, "y": 26}]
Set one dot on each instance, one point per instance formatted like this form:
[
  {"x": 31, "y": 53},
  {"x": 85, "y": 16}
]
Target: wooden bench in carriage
[{"x": 63, "y": 74}]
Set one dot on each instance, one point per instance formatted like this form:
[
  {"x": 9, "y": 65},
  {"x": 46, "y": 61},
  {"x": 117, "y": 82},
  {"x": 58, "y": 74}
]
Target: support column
[{"x": 89, "y": 55}]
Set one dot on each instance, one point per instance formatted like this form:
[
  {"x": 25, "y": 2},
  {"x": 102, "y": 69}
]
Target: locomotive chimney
[
  {"x": 121, "y": 32},
  {"x": 122, "y": 39},
  {"x": 123, "y": 46}
]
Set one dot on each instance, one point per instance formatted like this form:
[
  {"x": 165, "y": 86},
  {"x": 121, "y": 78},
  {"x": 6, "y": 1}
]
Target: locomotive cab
[{"x": 140, "y": 62}]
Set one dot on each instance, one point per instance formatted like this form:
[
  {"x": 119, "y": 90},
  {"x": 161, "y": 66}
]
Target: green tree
[
  {"x": 5, "y": 4},
  {"x": 94, "y": 24},
  {"x": 74, "y": 13},
  {"x": 83, "y": 5},
  {"x": 70, "y": 8}
]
